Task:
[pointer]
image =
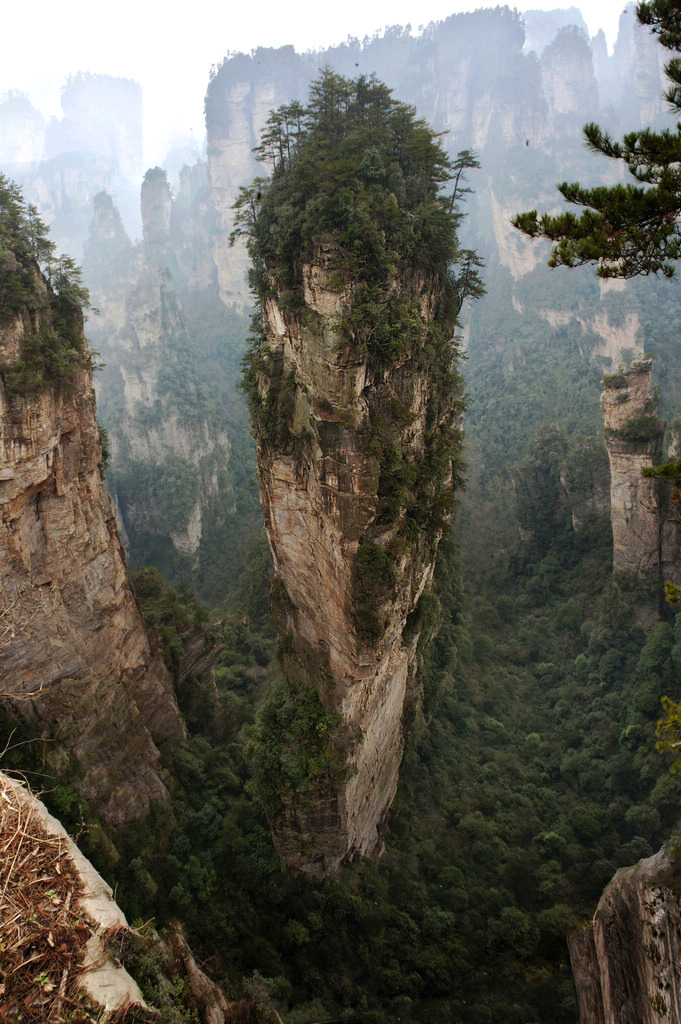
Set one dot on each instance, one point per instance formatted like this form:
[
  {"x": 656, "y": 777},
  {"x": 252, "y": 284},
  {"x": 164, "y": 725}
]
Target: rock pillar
[{"x": 633, "y": 438}]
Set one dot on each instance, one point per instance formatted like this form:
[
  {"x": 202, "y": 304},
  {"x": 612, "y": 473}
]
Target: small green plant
[
  {"x": 373, "y": 585},
  {"x": 105, "y": 446},
  {"x": 294, "y": 747},
  {"x": 612, "y": 381}
]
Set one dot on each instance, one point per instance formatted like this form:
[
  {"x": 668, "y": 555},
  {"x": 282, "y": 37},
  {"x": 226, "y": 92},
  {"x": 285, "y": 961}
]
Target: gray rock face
[
  {"x": 626, "y": 964},
  {"x": 634, "y": 441},
  {"x": 75, "y": 658}
]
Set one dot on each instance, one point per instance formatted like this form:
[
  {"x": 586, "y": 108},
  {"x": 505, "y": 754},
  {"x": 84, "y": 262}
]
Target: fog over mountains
[{"x": 515, "y": 89}]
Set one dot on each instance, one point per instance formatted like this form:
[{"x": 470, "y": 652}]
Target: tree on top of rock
[{"x": 360, "y": 166}]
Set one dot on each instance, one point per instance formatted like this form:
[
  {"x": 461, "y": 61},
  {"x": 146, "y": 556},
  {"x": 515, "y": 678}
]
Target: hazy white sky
[{"x": 169, "y": 47}]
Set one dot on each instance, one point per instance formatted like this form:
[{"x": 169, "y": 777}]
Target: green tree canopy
[
  {"x": 629, "y": 229},
  {"x": 360, "y": 166},
  {"x": 44, "y": 290}
]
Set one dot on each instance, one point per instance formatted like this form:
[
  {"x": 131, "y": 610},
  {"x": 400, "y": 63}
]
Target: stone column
[{"x": 633, "y": 438}]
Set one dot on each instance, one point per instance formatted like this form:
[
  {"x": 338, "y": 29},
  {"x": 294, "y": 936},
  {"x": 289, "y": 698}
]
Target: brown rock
[
  {"x": 76, "y": 661},
  {"x": 323, "y": 492},
  {"x": 626, "y": 964},
  {"x": 634, "y": 501}
]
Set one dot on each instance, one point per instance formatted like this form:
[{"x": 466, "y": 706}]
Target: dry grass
[{"x": 42, "y": 929}]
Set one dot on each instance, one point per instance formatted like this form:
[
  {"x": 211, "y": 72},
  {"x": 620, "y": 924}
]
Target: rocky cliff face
[
  {"x": 142, "y": 328},
  {"x": 568, "y": 73},
  {"x": 63, "y": 163},
  {"x": 76, "y": 660},
  {"x": 350, "y": 563},
  {"x": 238, "y": 102},
  {"x": 626, "y": 963},
  {"x": 633, "y": 437}
]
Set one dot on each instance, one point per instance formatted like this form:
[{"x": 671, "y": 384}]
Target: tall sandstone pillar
[
  {"x": 355, "y": 471},
  {"x": 633, "y": 438}
]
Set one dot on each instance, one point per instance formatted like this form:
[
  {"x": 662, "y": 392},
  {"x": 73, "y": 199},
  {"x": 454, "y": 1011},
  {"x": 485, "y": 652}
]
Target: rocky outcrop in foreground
[
  {"x": 75, "y": 659},
  {"x": 626, "y": 964},
  {"x": 78, "y": 936},
  {"x": 62, "y": 897}
]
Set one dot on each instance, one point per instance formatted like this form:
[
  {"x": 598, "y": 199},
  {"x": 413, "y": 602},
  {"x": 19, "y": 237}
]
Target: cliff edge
[
  {"x": 76, "y": 661},
  {"x": 626, "y": 963}
]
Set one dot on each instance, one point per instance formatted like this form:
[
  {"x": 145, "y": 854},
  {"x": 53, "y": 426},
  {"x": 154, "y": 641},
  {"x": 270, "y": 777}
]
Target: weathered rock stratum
[
  {"x": 626, "y": 963},
  {"x": 337, "y": 438},
  {"x": 75, "y": 659},
  {"x": 633, "y": 437}
]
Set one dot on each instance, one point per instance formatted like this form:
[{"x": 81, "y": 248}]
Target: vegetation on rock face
[
  {"x": 643, "y": 429},
  {"x": 45, "y": 291},
  {"x": 362, "y": 191},
  {"x": 358, "y": 167},
  {"x": 356, "y": 174},
  {"x": 294, "y": 746}
]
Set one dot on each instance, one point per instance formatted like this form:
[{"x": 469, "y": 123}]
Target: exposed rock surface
[
  {"x": 237, "y": 106},
  {"x": 626, "y": 964},
  {"x": 633, "y": 437},
  {"x": 522, "y": 120},
  {"x": 80, "y": 908},
  {"x": 76, "y": 661},
  {"x": 568, "y": 75},
  {"x": 322, "y": 490},
  {"x": 104, "y": 982}
]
